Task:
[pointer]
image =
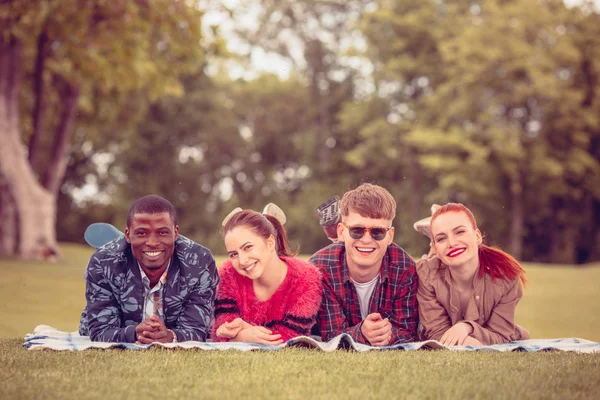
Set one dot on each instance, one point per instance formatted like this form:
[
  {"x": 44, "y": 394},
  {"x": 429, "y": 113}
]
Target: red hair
[{"x": 497, "y": 263}]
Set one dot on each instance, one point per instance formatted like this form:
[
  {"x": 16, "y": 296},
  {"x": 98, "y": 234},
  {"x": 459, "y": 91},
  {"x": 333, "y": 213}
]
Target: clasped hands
[
  {"x": 377, "y": 330},
  {"x": 151, "y": 330},
  {"x": 458, "y": 335},
  {"x": 239, "y": 330}
]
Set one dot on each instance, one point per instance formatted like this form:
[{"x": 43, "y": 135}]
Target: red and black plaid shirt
[{"x": 394, "y": 297}]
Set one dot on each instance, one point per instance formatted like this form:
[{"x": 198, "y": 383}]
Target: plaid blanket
[{"x": 46, "y": 337}]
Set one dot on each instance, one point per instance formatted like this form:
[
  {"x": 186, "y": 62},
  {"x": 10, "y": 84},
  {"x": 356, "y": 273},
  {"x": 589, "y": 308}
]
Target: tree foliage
[
  {"x": 491, "y": 103},
  {"x": 76, "y": 52}
]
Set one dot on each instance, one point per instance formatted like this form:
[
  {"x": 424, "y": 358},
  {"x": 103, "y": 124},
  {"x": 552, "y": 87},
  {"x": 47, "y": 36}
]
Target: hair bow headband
[
  {"x": 273, "y": 210},
  {"x": 270, "y": 209},
  {"x": 230, "y": 215},
  {"x": 424, "y": 225}
]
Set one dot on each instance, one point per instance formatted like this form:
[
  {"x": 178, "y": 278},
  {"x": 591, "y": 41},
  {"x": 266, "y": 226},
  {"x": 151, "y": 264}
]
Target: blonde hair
[{"x": 370, "y": 201}]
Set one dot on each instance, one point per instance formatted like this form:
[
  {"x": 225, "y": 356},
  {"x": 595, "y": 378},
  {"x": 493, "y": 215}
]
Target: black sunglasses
[{"x": 357, "y": 232}]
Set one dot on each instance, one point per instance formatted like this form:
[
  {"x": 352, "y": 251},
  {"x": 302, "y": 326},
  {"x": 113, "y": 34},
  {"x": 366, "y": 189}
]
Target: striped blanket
[{"x": 46, "y": 337}]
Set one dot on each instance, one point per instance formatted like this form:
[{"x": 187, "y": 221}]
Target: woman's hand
[
  {"x": 471, "y": 341},
  {"x": 259, "y": 334},
  {"x": 456, "y": 335},
  {"x": 229, "y": 330}
]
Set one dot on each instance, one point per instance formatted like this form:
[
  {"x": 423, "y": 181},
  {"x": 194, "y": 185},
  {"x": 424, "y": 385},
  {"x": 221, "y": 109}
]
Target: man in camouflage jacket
[{"x": 153, "y": 285}]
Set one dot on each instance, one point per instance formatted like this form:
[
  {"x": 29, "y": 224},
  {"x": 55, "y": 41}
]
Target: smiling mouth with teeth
[
  {"x": 249, "y": 268},
  {"x": 152, "y": 253},
  {"x": 365, "y": 250},
  {"x": 456, "y": 252}
]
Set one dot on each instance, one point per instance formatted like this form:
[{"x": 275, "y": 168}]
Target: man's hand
[
  {"x": 376, "y": 330},
  {"x": 153, "y": 330},
  {"x": 259, "y": 334},
  {"x": 231, "y": 329},
  {"x": 456, "y": 335},
  {"x": 145, "y": 326}
]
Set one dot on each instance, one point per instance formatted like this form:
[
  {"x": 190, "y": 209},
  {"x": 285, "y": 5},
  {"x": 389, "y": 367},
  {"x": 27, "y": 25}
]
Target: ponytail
[
  {"x": 281, "y": 241},
  {"x": 499, "y": 265}
]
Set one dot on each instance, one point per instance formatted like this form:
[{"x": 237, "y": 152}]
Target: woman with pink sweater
[{"x": 266, "y": 295}]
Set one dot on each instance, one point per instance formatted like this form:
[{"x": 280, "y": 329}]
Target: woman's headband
[{"x": 270, "y": 209}]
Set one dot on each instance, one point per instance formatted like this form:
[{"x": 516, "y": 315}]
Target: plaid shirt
[
  {"x": 394, "y": 297},
  {"x": 153, "y": 297}
]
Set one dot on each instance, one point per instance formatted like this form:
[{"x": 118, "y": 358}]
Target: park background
[{"x": 219, "y": 104}]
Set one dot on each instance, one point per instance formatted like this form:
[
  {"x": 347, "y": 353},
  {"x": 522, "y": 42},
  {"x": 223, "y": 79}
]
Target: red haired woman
[
  {"x": 266, "y": 295},
  {"x": 468, "y": 292}
]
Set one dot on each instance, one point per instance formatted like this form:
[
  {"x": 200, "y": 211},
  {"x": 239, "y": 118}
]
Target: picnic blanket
[{"x": 47, "y": 337}]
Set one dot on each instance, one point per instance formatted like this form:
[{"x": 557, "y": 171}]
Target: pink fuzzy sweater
[{"x": 291, "y": 311}]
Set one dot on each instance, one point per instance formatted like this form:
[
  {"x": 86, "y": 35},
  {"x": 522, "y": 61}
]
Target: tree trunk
[
  {"x": 563, "y": 233},
  {"x": 8, "y": 216},
  {"x": 595, "y": 249},
  {"x": 595, "y": 223},
  {"x": 35, "y": 208},
  {"x": 39, "y": 108},
  {"x": 587, "y": 229},
  {"x": 57, "y": 166},
  {"x": 517, "y": 215},
  {"x": 315, "y": 58},
  {"x": 416, "y": 183}
]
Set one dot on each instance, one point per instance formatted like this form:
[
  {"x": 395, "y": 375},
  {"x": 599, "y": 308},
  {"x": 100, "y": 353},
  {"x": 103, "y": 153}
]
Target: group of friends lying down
[{"x": 155, "y": 285}]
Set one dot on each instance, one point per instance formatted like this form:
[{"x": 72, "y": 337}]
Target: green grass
[
  {"x": 34, "y": 293},
  {"x": 294, "y": 373},
  {"x": 559, "y": 302}
]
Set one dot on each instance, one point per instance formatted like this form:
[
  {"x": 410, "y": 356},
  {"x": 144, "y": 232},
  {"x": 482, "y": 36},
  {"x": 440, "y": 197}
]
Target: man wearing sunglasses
[{"x": 369, "y": 282}]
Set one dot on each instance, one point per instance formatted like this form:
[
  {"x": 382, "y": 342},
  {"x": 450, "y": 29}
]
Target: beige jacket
[{"x": 491, "y": 310}]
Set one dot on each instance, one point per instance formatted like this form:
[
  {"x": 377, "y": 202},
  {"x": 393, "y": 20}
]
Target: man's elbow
[
  {"x": 195, "y": 335},
  {"x": 96, "y": 336}
]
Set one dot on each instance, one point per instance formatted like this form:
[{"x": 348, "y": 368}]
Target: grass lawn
[
  {"x": 294, "y": 373},
  {"x": 560, "y": 301}
]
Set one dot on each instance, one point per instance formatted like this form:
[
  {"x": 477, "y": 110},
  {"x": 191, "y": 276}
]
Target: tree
[
  {"x": 489, "y": 97},
  {"x": 221, "y": 145},
  {"x": 403, "y": 47},
  {"x": 78, "y": 48},
  {"x": 512, "y": 92}
]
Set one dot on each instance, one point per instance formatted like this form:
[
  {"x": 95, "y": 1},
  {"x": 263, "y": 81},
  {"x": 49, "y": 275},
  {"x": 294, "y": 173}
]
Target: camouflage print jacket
[{"x": 115, "y": 293}]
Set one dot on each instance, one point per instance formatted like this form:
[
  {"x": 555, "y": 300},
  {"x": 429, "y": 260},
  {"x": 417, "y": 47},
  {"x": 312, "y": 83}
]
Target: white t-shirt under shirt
[{"x": 364, "y": 291}]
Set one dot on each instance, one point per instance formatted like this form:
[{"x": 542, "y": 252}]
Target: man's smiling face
[
  {"x": 364, "y": 254},
  {"x": 152, "y": 238}
]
